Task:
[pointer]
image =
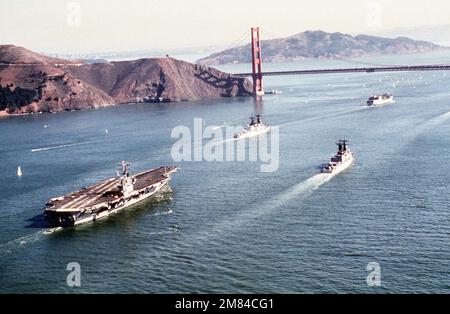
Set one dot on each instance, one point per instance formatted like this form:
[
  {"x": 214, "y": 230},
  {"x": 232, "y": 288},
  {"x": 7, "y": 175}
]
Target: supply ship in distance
[
  {"x": 377, "y": 100},
  {"x": 107, "y": 197}
]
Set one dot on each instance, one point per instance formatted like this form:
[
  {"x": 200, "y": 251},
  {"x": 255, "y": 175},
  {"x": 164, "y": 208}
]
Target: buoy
[{"x": 19, "y": 171}]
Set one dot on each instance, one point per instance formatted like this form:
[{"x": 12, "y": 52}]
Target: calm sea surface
[{"x": 226, "y": 226}]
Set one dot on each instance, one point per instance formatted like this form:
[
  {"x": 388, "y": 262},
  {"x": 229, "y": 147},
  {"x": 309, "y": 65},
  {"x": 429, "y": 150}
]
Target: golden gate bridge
[{"x": 257, "y": 74}]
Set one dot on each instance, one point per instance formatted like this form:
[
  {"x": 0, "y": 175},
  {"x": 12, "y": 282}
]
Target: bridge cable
[
  {"x": 349, "y": 60},
  {"x": 271, "y": 36},
  {"x": 235, "y": 44}
]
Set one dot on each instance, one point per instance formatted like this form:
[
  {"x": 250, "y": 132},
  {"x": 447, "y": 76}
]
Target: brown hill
[
  {"x": 322, "y": 45},
  {"x": 165, "y": 78},
  {"x": 10, "y": 54},
  {"x": 30, "y": 82}
]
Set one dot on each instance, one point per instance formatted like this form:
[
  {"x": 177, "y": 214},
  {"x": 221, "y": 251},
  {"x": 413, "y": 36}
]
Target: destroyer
[
  {"x": 341, "y": 160},
  {"x": 106, "y": 197},
  {"x": 256, "y": 127},
  {"x": 377, "y": 100}
]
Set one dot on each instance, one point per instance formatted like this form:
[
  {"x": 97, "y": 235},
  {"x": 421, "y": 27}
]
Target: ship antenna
[{"x": 125, "y": 167}]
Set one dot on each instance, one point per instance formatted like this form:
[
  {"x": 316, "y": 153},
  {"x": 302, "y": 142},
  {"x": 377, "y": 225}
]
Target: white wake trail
[
  {"x": 221, "y": 142},
  {"x": 302, "y": 189},
  {"x": 63, "y": 146},
  {"x": 218, "y": 127},
  {"x": 434, "y": 122},
  {"x": 331, "y": 115},
  {"x": 21, "y": 241}
]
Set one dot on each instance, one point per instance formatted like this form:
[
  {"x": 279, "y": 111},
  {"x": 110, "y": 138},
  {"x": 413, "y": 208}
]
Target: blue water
[{"x": 227, "y": 227}]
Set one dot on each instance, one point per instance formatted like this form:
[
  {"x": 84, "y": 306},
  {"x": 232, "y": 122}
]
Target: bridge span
[
  {"x": 405, "y": 68},
  {"x": 257, "y": 73}
]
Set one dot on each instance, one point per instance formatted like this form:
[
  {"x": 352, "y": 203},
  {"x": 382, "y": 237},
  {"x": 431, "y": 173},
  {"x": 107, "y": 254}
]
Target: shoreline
[{"x": 3, "y": 113}]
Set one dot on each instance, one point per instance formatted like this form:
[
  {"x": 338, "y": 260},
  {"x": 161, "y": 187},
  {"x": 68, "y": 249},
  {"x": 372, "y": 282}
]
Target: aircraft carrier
[{"x": 106, "y": 197}]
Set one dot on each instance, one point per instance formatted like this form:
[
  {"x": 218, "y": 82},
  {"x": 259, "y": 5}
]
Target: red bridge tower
[{"x": 258, "y": 89}]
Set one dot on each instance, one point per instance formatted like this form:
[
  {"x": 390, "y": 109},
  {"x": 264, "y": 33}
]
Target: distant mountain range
[
  {"x": 438, "y": 34},
  {"x": 135, "y": 54},
  {"x": 321, "y": 45},
  {"x": 31, "y": 82}
]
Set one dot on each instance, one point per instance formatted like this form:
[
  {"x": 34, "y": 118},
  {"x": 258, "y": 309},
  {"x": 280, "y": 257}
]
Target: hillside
[
  {"x": 10, "y": 54},
  {"x": 30, "y": 82},
  {"x": 321, "y": 45}
]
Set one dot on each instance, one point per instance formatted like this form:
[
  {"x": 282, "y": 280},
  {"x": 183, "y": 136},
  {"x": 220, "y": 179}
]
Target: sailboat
[{"x": 19, "y": 171}]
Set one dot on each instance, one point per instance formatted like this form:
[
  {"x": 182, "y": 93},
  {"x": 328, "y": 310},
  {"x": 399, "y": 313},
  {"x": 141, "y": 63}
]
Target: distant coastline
[{"x": 320, "y": 45}]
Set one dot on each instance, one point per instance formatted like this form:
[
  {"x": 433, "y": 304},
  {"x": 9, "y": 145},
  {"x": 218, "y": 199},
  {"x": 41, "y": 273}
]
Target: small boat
[
  {"x": 341, "y": 160},
  {"x": 377, "y": 100},
  {"x": 19, "y": 171},
  {"x": 273, "y": 92}
]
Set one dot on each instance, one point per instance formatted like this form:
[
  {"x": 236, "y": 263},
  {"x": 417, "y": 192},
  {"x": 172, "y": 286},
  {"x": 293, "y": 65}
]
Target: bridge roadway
[{"x": 436, "y": 67}]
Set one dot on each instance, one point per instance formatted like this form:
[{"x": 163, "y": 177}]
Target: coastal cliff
[{"x": 30, "y": 82}]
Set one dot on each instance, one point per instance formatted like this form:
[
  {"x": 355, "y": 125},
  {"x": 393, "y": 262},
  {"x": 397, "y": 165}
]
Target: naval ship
[
  {"x": 106, "y": 197},
  {"x": 256, "y": 127},
  {"x": 377, "y": 100},
  {"x": 341, "y": 160}
]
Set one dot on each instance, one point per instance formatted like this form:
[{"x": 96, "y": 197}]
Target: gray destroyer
[
  {"x": 341, "y": 160},
  {"x": 255, "y": 128}
]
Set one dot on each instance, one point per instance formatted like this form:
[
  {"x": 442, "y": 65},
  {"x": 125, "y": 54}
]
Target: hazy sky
[{"x": 103, "y": 25}]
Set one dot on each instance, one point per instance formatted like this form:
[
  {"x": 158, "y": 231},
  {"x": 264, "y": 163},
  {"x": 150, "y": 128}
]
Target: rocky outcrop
[
  {"x": 31, "y": 83},
  {"x": 321, "y": 45}
]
